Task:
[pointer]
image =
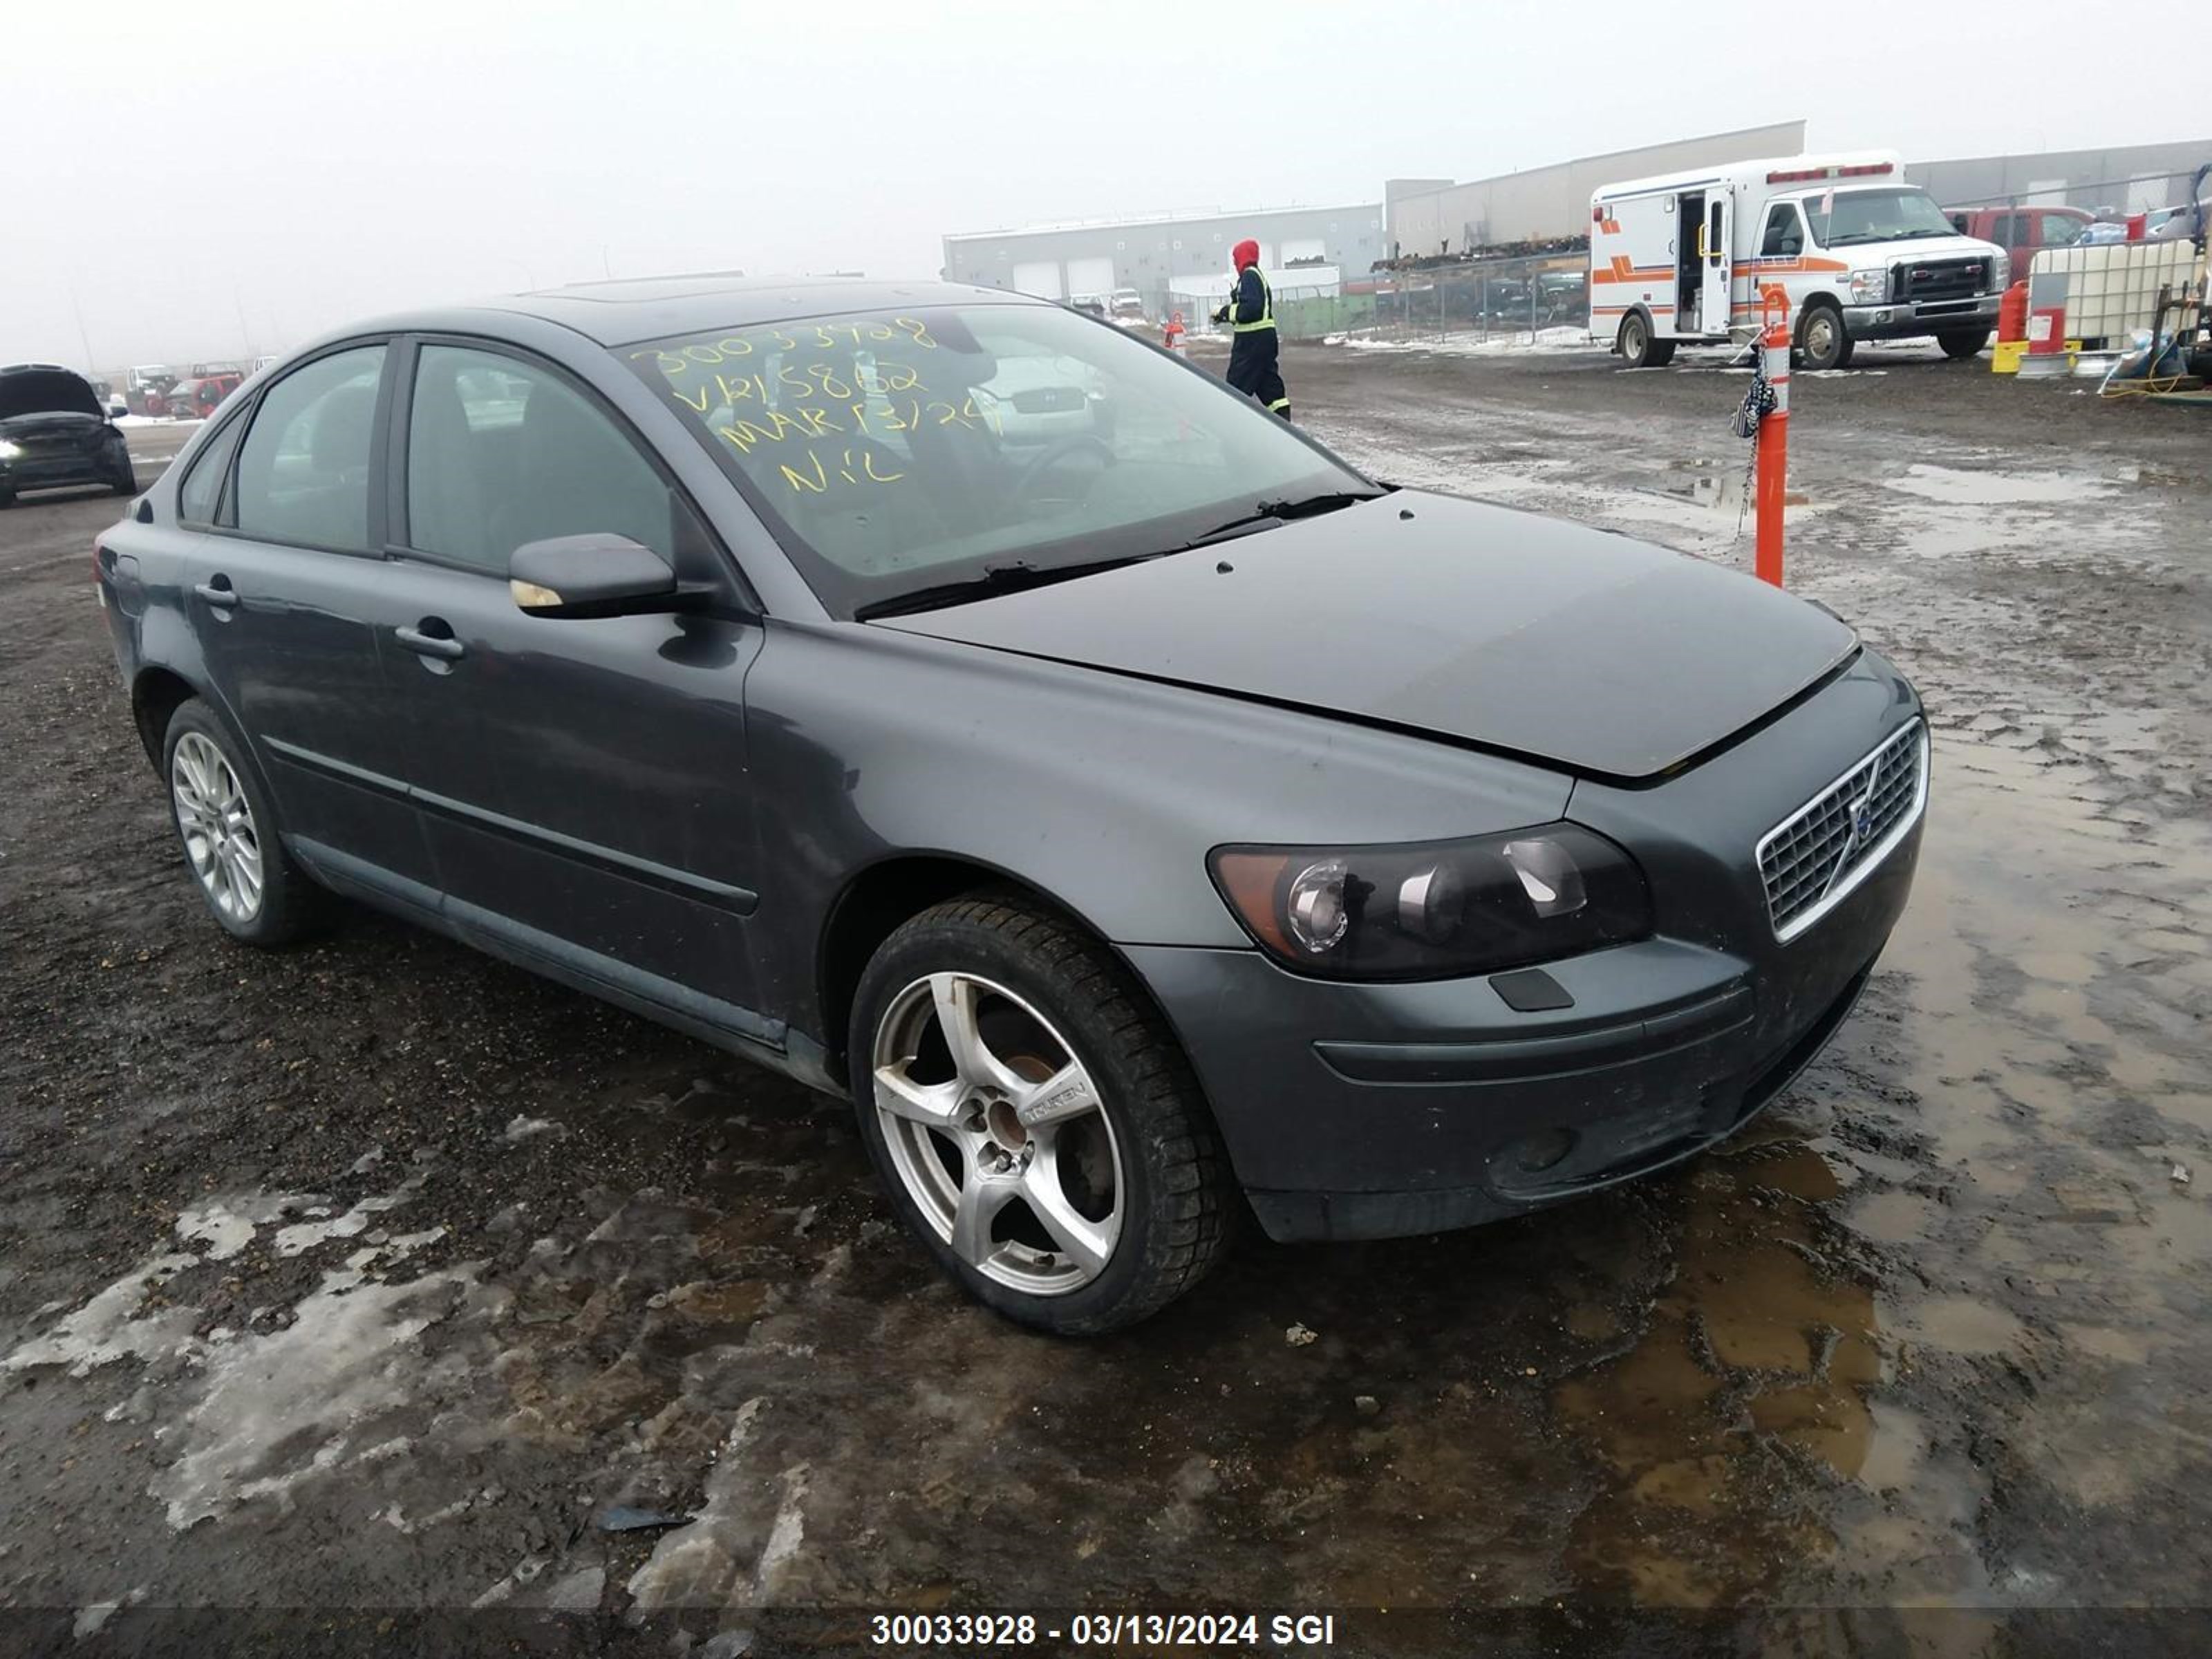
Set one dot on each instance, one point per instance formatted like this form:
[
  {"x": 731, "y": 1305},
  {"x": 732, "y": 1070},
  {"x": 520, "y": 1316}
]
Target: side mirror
[{"x": 600, "y": 574}]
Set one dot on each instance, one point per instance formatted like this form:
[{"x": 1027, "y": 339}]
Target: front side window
[
  {"x": 2062, "y": 229},
  {"x": 303, "y": 470},
  {"x": 894, "y": 453},
  {"x": 200, "y": 499},
  {"x": 1843, "y": 217},
  {"x": 1785, "y": 231},
  {"x": 502, "y": 452}
]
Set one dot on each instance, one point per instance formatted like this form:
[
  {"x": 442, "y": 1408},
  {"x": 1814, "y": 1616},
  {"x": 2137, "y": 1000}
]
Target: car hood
[
  {"x": 1503, "y": 629},
  {"x": 1859, "y": 254},
  {"x": 46, "y": 392}
]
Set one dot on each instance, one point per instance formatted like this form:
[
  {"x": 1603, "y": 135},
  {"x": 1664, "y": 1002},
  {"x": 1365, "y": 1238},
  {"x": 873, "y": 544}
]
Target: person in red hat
[{"x": 1250, "y": 315}]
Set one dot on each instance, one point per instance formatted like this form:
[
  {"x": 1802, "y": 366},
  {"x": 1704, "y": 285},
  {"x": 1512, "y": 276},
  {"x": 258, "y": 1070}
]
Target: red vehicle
[
  {"x": 199, "y": 397},
  {"x": 2022, "y": 232}
]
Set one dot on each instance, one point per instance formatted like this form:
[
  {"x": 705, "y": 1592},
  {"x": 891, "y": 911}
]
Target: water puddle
[{"x": 1956, "y": 486}]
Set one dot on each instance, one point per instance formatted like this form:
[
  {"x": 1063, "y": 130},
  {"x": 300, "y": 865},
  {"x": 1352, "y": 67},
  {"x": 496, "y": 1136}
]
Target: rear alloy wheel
[
  {"x": 228, "y": 831},
  {"x": 1038, "y": 1128}
]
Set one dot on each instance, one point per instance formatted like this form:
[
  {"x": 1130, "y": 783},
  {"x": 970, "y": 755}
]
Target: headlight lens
[
  {"x": 9, "y": 449},
  {"x": 2001, "y": 272},
  {"x": 1435, "y": 909},
  {"x": 1869, "y": 288}
]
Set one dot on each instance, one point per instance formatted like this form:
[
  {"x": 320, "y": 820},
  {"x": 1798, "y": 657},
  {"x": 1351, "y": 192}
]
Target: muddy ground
[{"x": 375, "y": 1275}]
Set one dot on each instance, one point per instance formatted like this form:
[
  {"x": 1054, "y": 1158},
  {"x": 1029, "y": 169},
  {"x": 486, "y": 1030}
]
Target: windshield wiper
[
  {"x": 1267, "y": 513},
  {"x": 994, "y": 579}
]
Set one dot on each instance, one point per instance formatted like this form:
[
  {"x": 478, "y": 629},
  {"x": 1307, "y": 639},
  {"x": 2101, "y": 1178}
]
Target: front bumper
[
  {"x": 1366, "y": 1111},
  {"x": 1906, "y": 320}
]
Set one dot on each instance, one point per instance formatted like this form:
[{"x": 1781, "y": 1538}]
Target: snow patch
[
  {"x": 350, "y": 1353},
  {"x": 109, "y": 1328},
  {"x": 701, "y": 1564}
]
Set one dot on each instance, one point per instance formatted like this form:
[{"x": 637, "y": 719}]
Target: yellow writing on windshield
[
  {"x": 700, "y": 355},
  {"x": 812, "y": 475}
]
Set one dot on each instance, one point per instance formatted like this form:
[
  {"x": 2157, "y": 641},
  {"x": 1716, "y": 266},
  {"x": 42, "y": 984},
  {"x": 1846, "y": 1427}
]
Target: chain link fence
[
  {"x": 1545, "y": 297},
  {"x": 2110, "y": 200}
]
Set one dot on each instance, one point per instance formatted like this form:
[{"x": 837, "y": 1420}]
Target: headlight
[
  {"x": 9, "y": 449},
  {"x": 1435, "y": 909},
  {"x": 1869, "y": 288},
  {"x": 2001, "y": 272}
]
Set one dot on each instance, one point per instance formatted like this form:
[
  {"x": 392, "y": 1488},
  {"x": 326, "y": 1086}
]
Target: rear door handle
[
  {"x": 430, "y": 644},
  {"x": 219, "y": 593}
]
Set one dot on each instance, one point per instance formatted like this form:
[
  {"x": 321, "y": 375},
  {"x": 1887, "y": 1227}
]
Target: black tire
[
  {"x": 125, "y": 482},
  {"x": 1176, "y": 1198},
  {"x": 1638, "y": 347},
  {"x": 1823, "y": 341},
  {"x": 1962, "y": 342},
  {"x": 290, "y": 905},
  {"x": 7, "y": 497}
]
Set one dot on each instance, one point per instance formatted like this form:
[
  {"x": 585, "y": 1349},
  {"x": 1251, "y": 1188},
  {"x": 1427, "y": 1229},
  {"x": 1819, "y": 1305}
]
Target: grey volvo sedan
[{"x": 947, "y": 698}]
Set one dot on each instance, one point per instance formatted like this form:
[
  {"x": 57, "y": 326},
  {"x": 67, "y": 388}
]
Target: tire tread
[{"x": 1168, "y": 1107}]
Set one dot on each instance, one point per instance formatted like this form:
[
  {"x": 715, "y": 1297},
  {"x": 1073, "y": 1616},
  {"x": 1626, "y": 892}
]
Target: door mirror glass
[{"x": 598, "y": 574}]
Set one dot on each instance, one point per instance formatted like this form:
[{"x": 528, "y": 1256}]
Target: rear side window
[
  {"x": 303, "y": 470},
  {"x": 201, "y": 498},
  {"x": 502, "y": 452}
]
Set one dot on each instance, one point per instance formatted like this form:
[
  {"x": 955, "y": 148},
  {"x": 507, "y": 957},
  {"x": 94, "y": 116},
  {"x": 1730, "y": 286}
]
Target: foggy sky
[{"x": 212, "y": 177}]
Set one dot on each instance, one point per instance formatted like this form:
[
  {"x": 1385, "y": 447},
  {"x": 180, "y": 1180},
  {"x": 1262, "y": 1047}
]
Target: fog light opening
[{"x": 1545, "y": 1150}]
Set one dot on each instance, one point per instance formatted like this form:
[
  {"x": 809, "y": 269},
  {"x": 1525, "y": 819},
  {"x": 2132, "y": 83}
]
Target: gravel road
[{"x": 375, "y": 1277}]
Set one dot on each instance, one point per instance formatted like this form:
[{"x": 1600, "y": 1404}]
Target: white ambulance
[{"x": 1861, "y": 254}]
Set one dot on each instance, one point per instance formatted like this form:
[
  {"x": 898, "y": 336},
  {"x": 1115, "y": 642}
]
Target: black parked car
[
  {"x": 1159, "y": 812},
  {"x": 53, "y": 433}
]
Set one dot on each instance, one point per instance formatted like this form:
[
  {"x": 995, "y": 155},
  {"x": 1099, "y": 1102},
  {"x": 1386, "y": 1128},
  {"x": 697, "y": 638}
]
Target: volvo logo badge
[{"x": 1862, "y": 825}]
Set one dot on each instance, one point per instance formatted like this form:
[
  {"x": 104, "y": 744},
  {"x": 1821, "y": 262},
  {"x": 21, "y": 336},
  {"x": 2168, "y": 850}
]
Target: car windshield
[
  {"x": 898, "y": 452},
  {"x": 1874, "y": 215}
]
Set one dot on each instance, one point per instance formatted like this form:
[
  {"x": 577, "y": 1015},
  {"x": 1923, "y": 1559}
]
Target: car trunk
[{"x": 1504, "y": 630}]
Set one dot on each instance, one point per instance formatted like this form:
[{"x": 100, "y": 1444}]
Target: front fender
[{"x": 1103, "y": 792}]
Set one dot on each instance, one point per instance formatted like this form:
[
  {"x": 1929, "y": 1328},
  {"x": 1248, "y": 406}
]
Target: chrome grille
[
  {"x": 1940, "y": 279},
  {"x": 1810, "y": 860}
]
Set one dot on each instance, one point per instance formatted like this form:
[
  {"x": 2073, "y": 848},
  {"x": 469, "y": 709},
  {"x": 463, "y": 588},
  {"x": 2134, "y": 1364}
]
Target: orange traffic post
[{"x": 1773, "y": 437}]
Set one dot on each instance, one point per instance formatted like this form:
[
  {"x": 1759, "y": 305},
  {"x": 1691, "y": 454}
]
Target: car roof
[{"x": 630, "y": 310}]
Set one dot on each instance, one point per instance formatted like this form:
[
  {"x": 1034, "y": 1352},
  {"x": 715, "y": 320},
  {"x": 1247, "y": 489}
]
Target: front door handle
[
  {"x": 219, "y": 593},
  {"x": 430, "y": 644}
]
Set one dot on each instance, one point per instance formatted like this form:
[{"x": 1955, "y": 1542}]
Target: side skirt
[{"x": 768, "y": 1042}]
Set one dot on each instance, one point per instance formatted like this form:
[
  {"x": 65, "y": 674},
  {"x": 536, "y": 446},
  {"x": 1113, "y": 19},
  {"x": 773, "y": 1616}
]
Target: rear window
[
  {"x": 201, "y": 498},
  {"x": 303, "y": 474}
]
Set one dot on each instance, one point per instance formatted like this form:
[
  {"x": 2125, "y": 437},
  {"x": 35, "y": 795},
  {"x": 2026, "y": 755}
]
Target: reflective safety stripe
[
  {"x": 1280, "y": 402},
  {"x": 1266, "y": 318}
]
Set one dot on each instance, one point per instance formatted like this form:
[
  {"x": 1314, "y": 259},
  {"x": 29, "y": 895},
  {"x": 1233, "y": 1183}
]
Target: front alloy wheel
[
  {"x": 995, "y": 1131},
  {"x": 1039, "y": 1127}
]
